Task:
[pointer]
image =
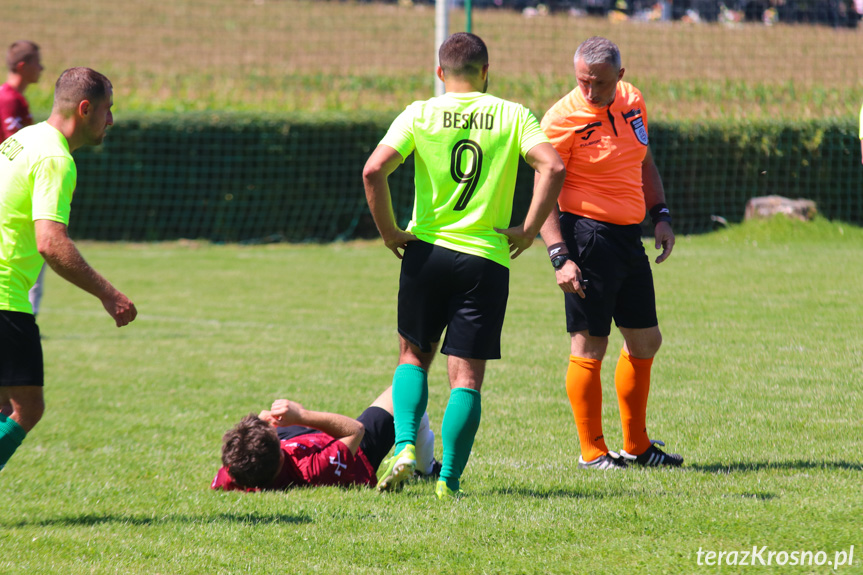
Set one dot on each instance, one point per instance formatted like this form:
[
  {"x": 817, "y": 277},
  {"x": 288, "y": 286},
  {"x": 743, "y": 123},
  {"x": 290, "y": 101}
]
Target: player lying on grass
[{"x": 289, "y": 446}]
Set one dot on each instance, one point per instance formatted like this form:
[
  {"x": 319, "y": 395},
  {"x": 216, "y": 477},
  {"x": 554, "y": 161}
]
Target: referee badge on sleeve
[{"x": 639, "y": 129}]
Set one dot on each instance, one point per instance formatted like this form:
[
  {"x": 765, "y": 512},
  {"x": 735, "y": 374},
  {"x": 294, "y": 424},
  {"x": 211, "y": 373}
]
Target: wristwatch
[{"x": 558, "y": 261}]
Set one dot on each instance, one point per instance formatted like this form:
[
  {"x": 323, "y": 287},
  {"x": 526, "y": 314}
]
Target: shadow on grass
[
  {"x": 539, "y": 493},
  {"x": 90, "y": 520},
  {"x": 798, "y": 465},
  {"x": 572, "y": 494},
  {"x": 755, "y": 495}
]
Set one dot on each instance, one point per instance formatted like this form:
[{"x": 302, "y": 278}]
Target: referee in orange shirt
[{"x": 594, "y": 242}]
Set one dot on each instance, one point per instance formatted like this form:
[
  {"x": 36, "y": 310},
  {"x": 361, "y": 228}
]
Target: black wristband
[
  {"x": 558, "y": 249},
  {"x": 660, "y": 213}
]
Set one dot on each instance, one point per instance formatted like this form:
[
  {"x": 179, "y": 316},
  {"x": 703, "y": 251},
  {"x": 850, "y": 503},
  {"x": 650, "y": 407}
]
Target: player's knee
[
  {"x": 414, "y": 357},
  {"x": 588, "y": 346},
  {"x": 28, "y": 412},
  {"x": 642, "y": 343},
  {"x": 649, "y": 345},
  {"x": 655, "y": 342}
]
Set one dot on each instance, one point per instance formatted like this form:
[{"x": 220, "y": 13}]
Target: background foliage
[
  {"x": 250, "y": 120},
  {"x": 277, "y": 56}
]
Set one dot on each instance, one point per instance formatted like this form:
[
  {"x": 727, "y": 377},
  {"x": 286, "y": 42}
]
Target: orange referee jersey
[{"x": 603, "y": 149}]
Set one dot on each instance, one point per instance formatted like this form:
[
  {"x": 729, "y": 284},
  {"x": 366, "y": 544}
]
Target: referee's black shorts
[
  {"x": 20, "y": 350},
  {"x": 620, "y": 283},
  {"x": 466, "y": 294}
]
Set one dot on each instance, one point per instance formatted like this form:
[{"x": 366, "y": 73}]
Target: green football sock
[
  {"x": 410, "y": 399},
  {"x": 458, "y": 429},
  {"x": 11, "y": 436}
]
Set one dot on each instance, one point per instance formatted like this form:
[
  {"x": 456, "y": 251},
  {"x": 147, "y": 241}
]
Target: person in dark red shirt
[
  {"x": 289, "y": 446},
  {"x": 25, "y": 67}
]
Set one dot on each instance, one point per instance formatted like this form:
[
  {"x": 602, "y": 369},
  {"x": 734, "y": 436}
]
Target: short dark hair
[
  {"x": 598, "y": 50},
  {"x": 20, "y": 51},
  {"x": 78, "y": 84},
  {"x": 251, "y": 452},
  {"x": 463, "y": 54}
]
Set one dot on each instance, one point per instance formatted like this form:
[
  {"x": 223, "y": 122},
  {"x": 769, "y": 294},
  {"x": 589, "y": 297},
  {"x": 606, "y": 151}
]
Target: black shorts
[
  {"x": 466, "y": 294},
  {"x": 379, "y": 438},
  {"x": 20, "y": 350},
  {"x": 620, "y": 283}
]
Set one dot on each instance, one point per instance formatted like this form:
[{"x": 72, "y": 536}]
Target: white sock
[{"x": 425, "y": 446}]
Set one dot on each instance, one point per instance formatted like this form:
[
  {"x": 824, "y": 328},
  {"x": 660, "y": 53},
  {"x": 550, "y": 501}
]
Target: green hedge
[
  {"x": 227, "y": 177},
  {"x": 711, "y": 169}
]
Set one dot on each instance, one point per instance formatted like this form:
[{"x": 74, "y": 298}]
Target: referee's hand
[
  {"x": 664, "y": 239},
  {"x": 570, "y": 280},
  {"x": 518, "y": 240}
]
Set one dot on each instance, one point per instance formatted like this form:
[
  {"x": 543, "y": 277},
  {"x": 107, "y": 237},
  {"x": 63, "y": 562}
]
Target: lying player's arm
[
  {"x": 550, "y": 174},
  {"x": 59, "y": 251},
  {"x": 285, "y": 412},
  {"x": 383, "y": 162}
]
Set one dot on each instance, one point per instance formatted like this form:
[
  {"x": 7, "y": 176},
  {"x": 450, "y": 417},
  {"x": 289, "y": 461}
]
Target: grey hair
[{"x": 598, "y": 50}]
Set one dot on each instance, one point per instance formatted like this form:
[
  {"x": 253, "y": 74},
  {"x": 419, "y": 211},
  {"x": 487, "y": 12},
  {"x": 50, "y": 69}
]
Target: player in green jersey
[
  {"x": 455, "y": 252},
  {"x": 37, "y": 179}
]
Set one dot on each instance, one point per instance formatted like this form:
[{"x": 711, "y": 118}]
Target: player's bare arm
[
  {"x": 654, "y": 194},
  {"x": 550, "y": 174},
  {"x": 59, "y": 251},
  {"x": 285, "y": 412},
  {"x": 383, "y": 162},
  {"x": 568, "y": 276}
]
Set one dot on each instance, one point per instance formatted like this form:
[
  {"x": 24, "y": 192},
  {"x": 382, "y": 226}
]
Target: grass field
[
  {"x": 757, "y": 385},
  {"x": 301, "y": 55}
]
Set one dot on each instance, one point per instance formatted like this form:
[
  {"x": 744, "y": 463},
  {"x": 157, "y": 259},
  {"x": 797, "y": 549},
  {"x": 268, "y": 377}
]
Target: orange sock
[
  {"x": 632, "y": 380},
  {"x": 584, "y": 389}
]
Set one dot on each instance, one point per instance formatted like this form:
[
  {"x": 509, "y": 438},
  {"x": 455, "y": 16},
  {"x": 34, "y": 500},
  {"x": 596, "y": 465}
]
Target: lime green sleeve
[
  {"x": 532, "y": 133},
  {"x": 54, "y": 180},
  {"x": 861, "y": 122},
  {"x": 400, "y": 136}
]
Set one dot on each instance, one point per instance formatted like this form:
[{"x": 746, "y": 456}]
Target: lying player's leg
[{"x": 380, "y": 435}]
